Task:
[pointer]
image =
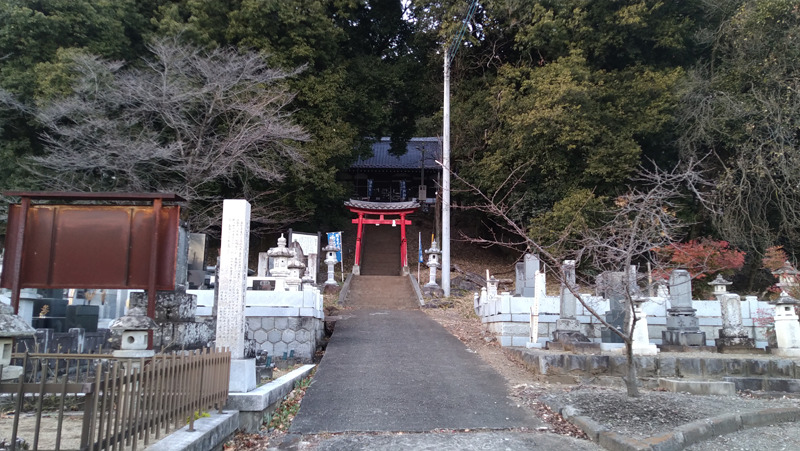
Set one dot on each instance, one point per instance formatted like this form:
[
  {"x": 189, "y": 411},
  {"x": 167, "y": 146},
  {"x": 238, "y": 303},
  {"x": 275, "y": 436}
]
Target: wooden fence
[{"x": 126, "y": 403}]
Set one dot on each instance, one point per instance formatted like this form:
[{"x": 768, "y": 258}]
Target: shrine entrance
[{"x": 378, "y": 251}]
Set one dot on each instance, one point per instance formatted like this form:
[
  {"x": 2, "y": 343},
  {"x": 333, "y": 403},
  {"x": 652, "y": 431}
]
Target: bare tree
[
  {"x": 642, "y": 219},
  {"x": 204, "y": 125}
]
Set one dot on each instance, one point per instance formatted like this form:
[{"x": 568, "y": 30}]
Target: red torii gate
[{"x": 383, "y": 211}]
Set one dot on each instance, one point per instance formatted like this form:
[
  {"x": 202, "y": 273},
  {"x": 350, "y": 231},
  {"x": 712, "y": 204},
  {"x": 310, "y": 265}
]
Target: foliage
[
  {"x": 774, "y": 258},
  {"x": 703, "y": 258},
  {"x": 741, "y": 105},
  {"x": 282, "y": 418},
  {"x": 34, "y": 38},
  {"x": 571, "y": 216},
  {"x": 197, "y": 415},
  {"x": 205, "y": 125}
]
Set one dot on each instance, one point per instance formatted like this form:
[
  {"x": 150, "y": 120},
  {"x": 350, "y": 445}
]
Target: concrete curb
[
  {"x": 680, "y": 438},
  {"x": 254, "y": 404},
  {"x": 210, "y": 433},
  {"x": 417, "y": 291},
  {"x": 345, "y": 290}
]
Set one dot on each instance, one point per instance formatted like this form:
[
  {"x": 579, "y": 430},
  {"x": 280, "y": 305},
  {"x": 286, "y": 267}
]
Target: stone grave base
[
  {"x": 579, "y": 347},
  {"x": 243, "y": 375},
  {"x": 675, "y": 337},
  {"x": 685, "y": 348}
]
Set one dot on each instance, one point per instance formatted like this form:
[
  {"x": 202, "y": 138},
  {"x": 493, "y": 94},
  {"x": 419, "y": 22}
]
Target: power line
[{"x": 456, "y": 42}]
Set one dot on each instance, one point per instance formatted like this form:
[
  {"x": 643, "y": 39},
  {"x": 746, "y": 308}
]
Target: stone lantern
[
  {"x": 295, "y": 267},
  {"x": 433, "y": 262},
  {"x": 720, "y": 285},
  {"x": 135, "y": 328},
  {"x": 11, "y": 327},
  {"x": 787, "y": 327},
  {"x": 330, "y": 260},
  {"x": 787, "y": 276},
  {"x": 280, "y": 270}
]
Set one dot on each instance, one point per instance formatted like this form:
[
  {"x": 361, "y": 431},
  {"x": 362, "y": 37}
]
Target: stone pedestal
[{"x": 243, "y": 376}]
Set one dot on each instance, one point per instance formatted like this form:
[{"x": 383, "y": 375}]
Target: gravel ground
[
  {"x": 781, "y": 437},
  {"x": 655, "y": 412}
]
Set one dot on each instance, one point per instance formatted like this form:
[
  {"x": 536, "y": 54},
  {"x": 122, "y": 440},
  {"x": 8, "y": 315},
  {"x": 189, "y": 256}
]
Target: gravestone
[
  {"x": 683, "y": 326},
  {"x": 310, "y": 245},
  {"x": 732, "y": 335},
  {"x": 526, "y": 276},
  {"x": 197, "y": 260},
  {"x": 616, "y": 287},
  {"x": 232, "y": 290},
  {"x": 263, "y": 264},
  {"x": 567, "y": 326}
]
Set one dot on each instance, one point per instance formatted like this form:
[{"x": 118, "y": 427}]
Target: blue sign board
[{"x": 335, "y": 238}]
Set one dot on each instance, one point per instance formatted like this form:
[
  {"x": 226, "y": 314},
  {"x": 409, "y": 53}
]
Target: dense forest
[{"x": 268, "y": 99}]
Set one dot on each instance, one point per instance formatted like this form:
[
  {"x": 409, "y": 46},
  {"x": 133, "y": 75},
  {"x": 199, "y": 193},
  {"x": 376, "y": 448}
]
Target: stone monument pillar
[
  {"x": 231, "y": 325},
  {"x": 567, "y": 326},
  {"x": 683, "y": 326},
  {"x": 787, "y": 327}
]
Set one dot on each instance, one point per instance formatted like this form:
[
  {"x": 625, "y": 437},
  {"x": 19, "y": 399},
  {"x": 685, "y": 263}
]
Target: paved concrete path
[
  {"x": 492, "y": 440},
  {"x": 398, "y": 370}
]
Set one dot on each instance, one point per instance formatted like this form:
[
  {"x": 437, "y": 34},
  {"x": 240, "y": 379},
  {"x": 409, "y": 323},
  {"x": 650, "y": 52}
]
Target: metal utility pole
[{"x": 446, "y": 178}]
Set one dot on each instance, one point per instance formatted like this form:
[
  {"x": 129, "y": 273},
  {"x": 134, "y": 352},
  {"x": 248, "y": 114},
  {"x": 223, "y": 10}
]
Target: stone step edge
[{"x": 680, "y": 438}]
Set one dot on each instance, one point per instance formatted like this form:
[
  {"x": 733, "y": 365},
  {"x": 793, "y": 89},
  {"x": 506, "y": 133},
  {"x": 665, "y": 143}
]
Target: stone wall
[
  {"x": 279, "y": 334},
  {"x": 178, "y": 327},
  {"x": 278, "y": 321}
]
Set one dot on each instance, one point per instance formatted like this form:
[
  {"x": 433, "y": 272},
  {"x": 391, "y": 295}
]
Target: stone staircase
[
  {"x": 380, "y": 251},
  {"x": 382, "y": 292}
]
